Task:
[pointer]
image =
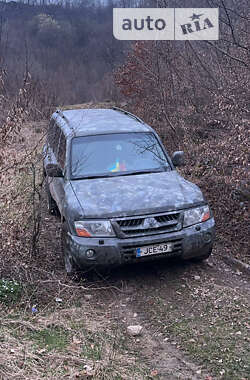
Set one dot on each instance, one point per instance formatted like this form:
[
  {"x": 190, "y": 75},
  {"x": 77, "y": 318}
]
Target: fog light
[
  {"x": 90, "y": 253},
  {"x": 207, "y": 237}
]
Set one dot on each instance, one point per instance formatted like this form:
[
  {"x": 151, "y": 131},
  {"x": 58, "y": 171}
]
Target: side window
[
  {"x": 56, "y": 141},
  {"x": 51, "y": 132},
  {"x": 62, "y": 151}
]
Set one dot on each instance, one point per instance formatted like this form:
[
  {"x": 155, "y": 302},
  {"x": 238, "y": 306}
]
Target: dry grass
[
  {"x": 207, "y": 321},
  {"x": 67, "y": 343},
  {"x": 72, "y": 339}
]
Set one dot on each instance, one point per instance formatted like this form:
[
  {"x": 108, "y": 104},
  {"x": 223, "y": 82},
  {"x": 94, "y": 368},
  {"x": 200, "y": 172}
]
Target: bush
[{"x": 10, "y": 291}]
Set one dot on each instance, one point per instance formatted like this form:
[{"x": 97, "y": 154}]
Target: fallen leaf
[{"x": 154, "y": 373}]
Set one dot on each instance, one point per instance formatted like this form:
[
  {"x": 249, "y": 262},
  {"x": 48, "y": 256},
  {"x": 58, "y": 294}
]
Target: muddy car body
[{"x": 119, "y": 195}]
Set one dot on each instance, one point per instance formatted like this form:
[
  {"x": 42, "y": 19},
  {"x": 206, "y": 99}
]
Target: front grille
[
  {"x": 129, "y": 252},
  {"x": 129, "y": 222},
  {"x": 149, "y": 225},
  {"x": 148, "y": 231},
  {"x": 167, "y": 218}
]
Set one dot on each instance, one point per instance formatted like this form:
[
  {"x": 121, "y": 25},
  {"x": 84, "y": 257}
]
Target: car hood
[{"x": 136, "y": 194}]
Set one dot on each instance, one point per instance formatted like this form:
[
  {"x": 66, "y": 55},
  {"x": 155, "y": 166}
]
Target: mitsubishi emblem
[{"x": 150, "y": 223}]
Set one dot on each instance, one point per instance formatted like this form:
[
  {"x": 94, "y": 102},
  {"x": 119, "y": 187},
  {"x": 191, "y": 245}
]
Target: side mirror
[
  {"x": 178, "y": 158},
  {"x": 53, "y": 170}
]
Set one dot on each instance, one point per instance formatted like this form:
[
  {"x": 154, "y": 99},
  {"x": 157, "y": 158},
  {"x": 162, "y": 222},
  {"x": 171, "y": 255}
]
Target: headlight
[
  {"x": 94, "y": 228},
  {"x": 196, "y": 215}
]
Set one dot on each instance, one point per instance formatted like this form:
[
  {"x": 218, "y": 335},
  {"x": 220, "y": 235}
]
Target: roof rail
[
  {"x": 60, "y": 112},
  {"x": 128, "y": 113}
]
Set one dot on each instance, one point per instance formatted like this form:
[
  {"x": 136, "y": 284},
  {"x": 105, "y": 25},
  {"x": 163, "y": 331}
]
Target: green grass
[
  {"x": 215, "y": 333},
  {"x": 93, "y": 345},
  {"x": 55, "y": 347},
  {"x": 51, "y": 339}
]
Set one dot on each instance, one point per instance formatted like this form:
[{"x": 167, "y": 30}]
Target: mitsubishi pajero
[{"x": 118, "y": 194}]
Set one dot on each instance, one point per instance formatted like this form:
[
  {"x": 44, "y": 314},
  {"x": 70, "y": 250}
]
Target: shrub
[{"x": 10, "y": 291}]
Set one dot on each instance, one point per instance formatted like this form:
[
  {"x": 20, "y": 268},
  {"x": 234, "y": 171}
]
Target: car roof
[{"x": 84, "y": 122}]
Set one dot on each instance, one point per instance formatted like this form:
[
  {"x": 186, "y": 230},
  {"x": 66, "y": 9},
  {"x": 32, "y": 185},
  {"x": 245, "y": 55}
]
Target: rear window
[{"x": 114, "y": 153}]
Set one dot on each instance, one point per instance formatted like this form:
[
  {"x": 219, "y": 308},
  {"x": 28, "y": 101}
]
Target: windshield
[{"x": 116, "y": 154}]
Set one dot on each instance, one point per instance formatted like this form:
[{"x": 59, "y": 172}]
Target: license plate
[{"x": 154, "y": 249}]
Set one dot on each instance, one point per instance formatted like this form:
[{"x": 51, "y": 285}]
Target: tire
[
  {"x": 51, "y": 204},
  {"x": 69, "y": 264},
  {"x": 44, "y": 173},
  {"x": 202, "y": 258}
]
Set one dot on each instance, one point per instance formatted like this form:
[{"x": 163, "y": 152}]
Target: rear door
[{"x": 56, "y": 154}]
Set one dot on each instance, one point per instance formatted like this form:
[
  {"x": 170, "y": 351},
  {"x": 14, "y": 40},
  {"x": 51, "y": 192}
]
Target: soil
[{"x": 184, "y": 308}]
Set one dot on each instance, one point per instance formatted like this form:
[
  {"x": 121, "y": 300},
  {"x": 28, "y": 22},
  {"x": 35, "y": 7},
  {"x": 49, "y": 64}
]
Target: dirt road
[{"x": 194, "y": 316}]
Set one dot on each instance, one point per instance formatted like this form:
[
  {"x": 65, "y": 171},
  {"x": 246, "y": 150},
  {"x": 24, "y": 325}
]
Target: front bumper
[{"x": 190, "y": 242}]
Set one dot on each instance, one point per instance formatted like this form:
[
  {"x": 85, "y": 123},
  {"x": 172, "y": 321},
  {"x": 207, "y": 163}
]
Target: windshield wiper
[
  {"x": 135, "y": 172},
  {"x": 118, "y": 174},
  {"x": 92, "y": 176}
]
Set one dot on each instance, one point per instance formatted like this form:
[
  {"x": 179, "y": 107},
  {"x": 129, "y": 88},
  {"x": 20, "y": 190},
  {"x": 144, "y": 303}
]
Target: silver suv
[{"x": 118, "y": 194}]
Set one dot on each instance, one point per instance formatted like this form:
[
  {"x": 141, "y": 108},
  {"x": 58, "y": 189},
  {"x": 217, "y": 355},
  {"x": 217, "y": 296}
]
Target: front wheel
[
  {"x": 69, "y": 264},
  {"x": 51, "y": 204},
  {"x": 202, "y": 257}
]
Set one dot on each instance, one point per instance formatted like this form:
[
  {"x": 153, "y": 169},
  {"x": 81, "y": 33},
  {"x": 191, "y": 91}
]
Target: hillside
[
  {"x": 57, "y": 327},
  {"x": 69, "y": 52}
]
